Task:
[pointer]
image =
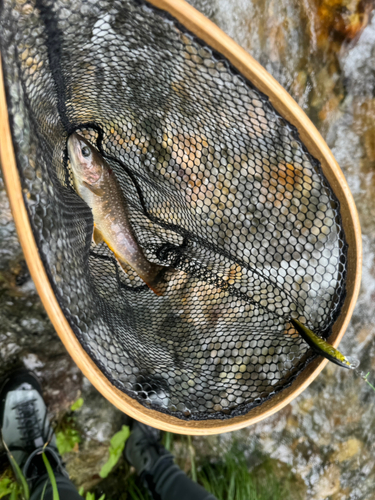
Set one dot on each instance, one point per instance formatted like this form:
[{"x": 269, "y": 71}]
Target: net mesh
[{"x": 219, "y": 187}]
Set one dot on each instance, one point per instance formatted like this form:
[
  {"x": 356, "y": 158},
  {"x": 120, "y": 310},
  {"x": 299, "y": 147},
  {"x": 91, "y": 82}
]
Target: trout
[
  {"x": 96, "y": 183},
  {"x": 320, "y": 346}
]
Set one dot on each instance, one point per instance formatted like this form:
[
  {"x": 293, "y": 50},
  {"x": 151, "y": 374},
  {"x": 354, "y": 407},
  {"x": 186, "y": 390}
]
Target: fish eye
[{"x": 85, "y": 151}]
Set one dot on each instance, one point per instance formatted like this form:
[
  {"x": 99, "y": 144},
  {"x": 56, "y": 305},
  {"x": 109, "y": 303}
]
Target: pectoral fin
[
  {"x": 97, "y": 236},
  {"x": 158, "y": 288}
]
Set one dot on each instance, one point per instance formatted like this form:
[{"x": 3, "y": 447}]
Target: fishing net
[{"x": 220, "y": 188}]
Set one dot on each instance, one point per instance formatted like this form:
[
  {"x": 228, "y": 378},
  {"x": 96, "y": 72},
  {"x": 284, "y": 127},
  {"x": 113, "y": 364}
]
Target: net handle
[{"x": 289, "y": 109}]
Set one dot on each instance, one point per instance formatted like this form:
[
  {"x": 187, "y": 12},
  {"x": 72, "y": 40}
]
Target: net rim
[{"x": 213, "y": 36}]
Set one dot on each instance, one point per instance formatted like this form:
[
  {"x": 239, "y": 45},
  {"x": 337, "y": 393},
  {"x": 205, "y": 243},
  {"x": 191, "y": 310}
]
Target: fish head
[{"x": 86, "y": 162}]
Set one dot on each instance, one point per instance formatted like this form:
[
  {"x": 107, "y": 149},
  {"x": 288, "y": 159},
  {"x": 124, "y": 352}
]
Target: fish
[
  {"x": 95, "y": 182},
  {"x": 320, "y": 346}
]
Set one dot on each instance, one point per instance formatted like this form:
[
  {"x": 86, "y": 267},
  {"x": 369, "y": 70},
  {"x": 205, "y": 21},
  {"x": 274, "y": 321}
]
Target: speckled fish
[
  {"x": 97, "y": 185},
  {"x": 320, "y": 346}
]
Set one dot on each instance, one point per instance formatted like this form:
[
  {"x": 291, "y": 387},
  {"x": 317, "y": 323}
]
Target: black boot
[
  {"x": 25, "y": 428},
  {"x": 144, "y": 451},
  {"x": 164, "y": 479}
]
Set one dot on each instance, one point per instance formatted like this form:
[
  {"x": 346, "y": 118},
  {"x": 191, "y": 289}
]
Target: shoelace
[{"x": 29, "y": 422}]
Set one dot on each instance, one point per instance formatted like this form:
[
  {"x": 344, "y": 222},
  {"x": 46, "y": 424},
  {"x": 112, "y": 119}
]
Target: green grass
[
  {"x": 91, "y": 496},
  {"x": 23, "y": 486},
  {"x": 8, "y": 485},
  {"x": 68, "y": 436},
  {"x": 135, "y": 490},
  {"x": 168, "y": 440},
  {"x": 67, "y": 439},
  {"x": 51, "y": 475},
  {"x": 77, "y": 405},
  {"x": 230, "y": 479}
]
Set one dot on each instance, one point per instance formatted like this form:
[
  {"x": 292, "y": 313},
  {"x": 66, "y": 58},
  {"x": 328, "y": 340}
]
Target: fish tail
[
  {"x": 155, "y": 280},
  {"x": 157, "y": 288},
  {"x": 160, "y": 282}
]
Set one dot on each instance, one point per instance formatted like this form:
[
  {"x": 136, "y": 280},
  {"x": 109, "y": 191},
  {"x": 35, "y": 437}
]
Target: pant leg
[
  {"x": 67, "y": 490},
  {"x": 169, "y": 482}
]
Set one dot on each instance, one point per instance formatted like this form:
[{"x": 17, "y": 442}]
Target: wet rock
[
  {"x": 84, "y": 467},
  {"x": 97, "y": 418},
  {"x": 338, "y": 21},
  {"x": 364, "y": 112},
  {"x": 342, "y": 494},
  {"x": 328, "y": 483},
  {"x": 347, "y": 450},
  {"x": 292, "y": 483},
  {"x": 97, "y": 422}
]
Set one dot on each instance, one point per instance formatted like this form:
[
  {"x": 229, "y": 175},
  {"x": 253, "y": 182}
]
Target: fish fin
[
  {"x": 158, "y": 288},
  {"x": 94, "y": 189},
  {"x": 123, "y": 265},
  {"x": 97, "y": 236},
  {"x": 160, "y": 283},
  {"x": 154, "y": 286}
]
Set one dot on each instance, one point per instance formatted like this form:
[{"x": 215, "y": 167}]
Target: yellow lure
[{"x": 320, "y": 346}]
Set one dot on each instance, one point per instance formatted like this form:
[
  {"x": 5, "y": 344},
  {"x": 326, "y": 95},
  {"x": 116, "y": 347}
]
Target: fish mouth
[{"x": 73, "y": 145}]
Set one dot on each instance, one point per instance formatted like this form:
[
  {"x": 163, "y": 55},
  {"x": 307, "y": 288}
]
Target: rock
[
  {"x": 342, "y": 494},
  {"x": 84, "y": 467},
  {"x": 364, "y": 112},
  {"x": 97, "y": 420},
  {"x": 292, "y": 483},
  {"x": 365, "y": 334},
  {"x": 347, "y": 450},
  {"x": 328, "y": 484},
  {"x": 306, "y": 404}
]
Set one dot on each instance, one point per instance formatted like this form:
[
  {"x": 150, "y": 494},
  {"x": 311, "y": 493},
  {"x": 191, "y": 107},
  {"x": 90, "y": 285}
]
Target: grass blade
[
  {"x": 367, "y": 382},
  {"x": 232, "y": 488},
  {"x": 134, "y": 490},
  {"x": 21, "y": 477},
  {"x": 168, "y": 441},
  {"x": 14, "y": 494},
  {"x": 192, "y": 460},
  {"x": 51, "y": 476},
  {"x": 44, "y": 490}
]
